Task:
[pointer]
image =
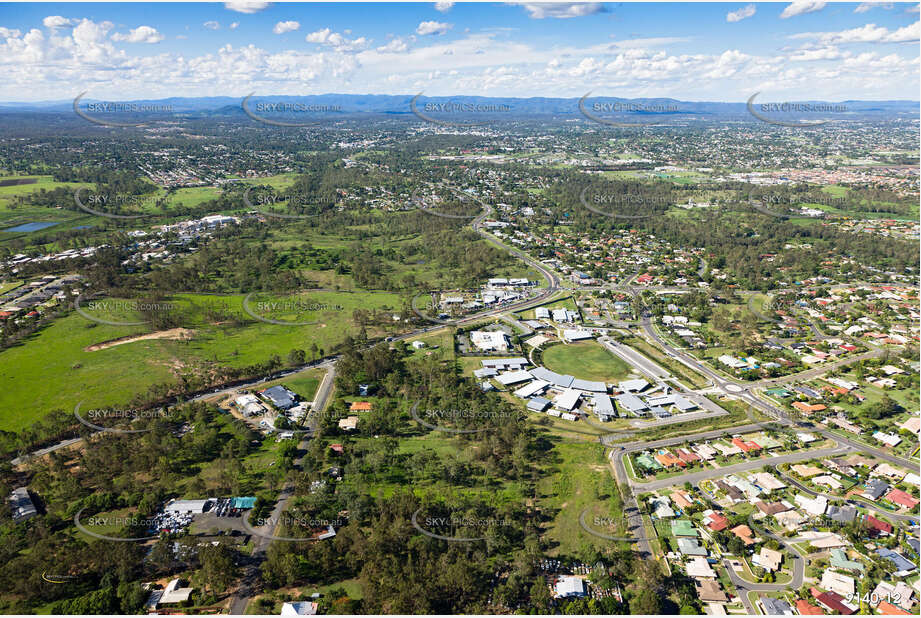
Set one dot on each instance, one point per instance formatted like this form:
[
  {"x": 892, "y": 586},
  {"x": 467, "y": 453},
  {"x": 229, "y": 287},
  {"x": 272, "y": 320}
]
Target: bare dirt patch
[{"x": 173, "y": 333}]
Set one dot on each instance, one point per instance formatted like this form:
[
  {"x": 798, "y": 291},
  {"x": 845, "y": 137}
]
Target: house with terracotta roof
[
  {"x": 682, "y": 499},
  {"x": 747, "y": 447},
  {"x": 888, "y": 609},
  {"x": 745, "y": 533},
  {"x": 668, "y": 460},
  {"x": 808, "y": 409},
  {"x": 805, "y": 608},
  {"x": 360, "y": 406}
]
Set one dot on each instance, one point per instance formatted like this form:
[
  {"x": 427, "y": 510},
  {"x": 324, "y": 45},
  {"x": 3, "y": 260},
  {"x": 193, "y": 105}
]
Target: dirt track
[{"x": 173, "y": 333}]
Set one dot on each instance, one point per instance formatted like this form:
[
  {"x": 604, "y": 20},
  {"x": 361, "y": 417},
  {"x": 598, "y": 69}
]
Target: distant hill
[{"x": 535, "y": 106}]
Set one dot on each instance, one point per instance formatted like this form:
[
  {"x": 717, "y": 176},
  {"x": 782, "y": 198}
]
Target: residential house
[
  {"x": 299, "y": 608},
  {"x": 768, "y": 559},
  {"x": 745, "y": 533},
  {"x": 775, "y": 607},
  {"x": 836, "y": 582}
]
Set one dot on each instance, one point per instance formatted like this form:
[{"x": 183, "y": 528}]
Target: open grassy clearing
[
  {"x": 579, "y": 478},
  {"x": 54, "y": 370},
  {"x": 588, "y": 360}
]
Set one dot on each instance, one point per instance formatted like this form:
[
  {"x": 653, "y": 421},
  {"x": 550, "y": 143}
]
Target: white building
[
  {"x": 299, "y": 608},
  {"x": 570, "y": 586},
  {"x": 489, "y": 341},
  {"x": 187, "y": 506}
]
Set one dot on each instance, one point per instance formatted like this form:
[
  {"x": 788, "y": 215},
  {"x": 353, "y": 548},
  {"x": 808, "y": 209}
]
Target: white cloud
[
  {"x": 141, "y": 34},
  {"x": 56, "y": 21},
  {"x": 866, "y": 6},
  {"x": 443, "y": 7},
  {"x": 648, "y": 42},
  {"x": 234, "y": 25},
  {"x": 89, "y": 38},
  {"x": 396, "y": 46},
  {"x": 560, "y": 10},
  {"x": 432, "y": 27},
  {"x": 869, "y": 33},
  {"x": 746, "y": 11},
  {"x": 246, "y": 6},
  {"x": 821, "y": 53},
  {"x": 286, "y": 26},
  {"x": 337, "y": 41},
  {"x": 801, "y": 7},
  {"x": 39, "y": 61},
  {"x": 212, "y": 25}
]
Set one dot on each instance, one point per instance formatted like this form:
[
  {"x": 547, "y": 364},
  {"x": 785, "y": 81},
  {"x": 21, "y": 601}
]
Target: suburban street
[{"x": 695, "y": 477}]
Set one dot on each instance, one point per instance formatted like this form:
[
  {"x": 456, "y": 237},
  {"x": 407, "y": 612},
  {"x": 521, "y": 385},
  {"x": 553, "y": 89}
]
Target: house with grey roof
[
  {"x": 775, "y": 607},
  {"x": 875, "y": 488},
  {"x": 22, "y": 505}
]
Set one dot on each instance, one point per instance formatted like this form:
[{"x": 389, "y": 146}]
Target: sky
[{"x": 807, "y": 49}]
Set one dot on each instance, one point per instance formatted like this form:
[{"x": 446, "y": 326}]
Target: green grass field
[
  {"x": 581, "y": 479},
  {"x": 12, "y": 213},
  {"x": 588, "y": 360},
  {"x": 54, "y": 369},
  {"x": 10, "y": 285}
]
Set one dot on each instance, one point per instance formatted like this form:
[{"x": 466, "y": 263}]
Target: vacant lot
[{"x": 56, "y": 368}]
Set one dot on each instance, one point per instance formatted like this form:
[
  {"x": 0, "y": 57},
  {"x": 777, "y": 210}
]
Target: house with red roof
[
  {"x": 716, "y": 521},
  {"x": 878, "y": 526},
  {"x": 897, "y": 496},
  {"x": 337, "y": 448},
  {"x": 687, "y": 456},
  {"x": 834, "y": 602}
]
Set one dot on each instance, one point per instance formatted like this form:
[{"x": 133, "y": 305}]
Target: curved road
[{"x": 799, "y": 567}]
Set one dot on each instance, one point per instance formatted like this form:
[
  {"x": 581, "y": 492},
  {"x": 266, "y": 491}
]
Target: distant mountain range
[{"x": 400, "y": 104}]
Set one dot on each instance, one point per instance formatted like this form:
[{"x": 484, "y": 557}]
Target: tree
[
  {"x": 217, "y": 569},
  {"x": 297, "y": 357},
  {"x": 540, "y": 595},
  {"x": 646, "y": 601}
]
